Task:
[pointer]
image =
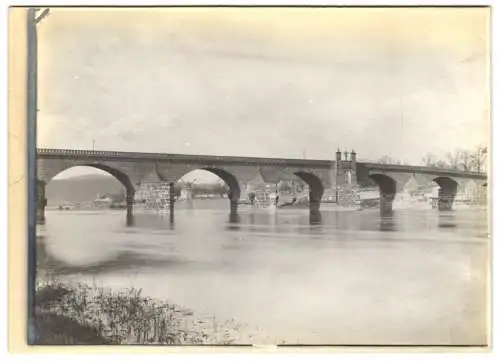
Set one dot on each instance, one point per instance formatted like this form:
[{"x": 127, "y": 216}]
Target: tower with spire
[
  {"x": 345, "y": 169},
  {"x": 344, "y": 180}
]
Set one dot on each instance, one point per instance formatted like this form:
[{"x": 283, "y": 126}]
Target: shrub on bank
[{"x": 79, "y": 314}]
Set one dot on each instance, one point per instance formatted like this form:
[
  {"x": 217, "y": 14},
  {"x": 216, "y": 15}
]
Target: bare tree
[
  {"x": 441, "y": 164},
  {"x": 459, "y": 159},
  {"x": 429, "y": 159},
  {"x": 385, "y": 159},
  {"x": 479, "y": 158},
  {"x": 454, "y": 159},
  {"x": 466, "y": 160}
]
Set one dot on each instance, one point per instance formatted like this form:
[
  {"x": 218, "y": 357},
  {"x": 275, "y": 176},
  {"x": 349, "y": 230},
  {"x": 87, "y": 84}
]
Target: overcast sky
[{"x": 265, "y": 82}]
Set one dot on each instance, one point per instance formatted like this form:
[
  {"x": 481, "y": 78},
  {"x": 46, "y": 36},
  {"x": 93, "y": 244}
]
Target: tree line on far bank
[{"x": 461, "y": 159}]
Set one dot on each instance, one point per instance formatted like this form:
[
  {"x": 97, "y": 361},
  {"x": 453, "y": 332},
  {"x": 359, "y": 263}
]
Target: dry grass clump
[{"x": 79, "y": 314}]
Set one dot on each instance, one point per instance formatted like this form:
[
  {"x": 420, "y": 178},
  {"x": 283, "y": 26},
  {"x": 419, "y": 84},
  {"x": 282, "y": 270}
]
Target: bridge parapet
[
  {"x": 248, "y": 161},
  {"x": 422, "y": 169},
  {"x": 183, "y": 158}
]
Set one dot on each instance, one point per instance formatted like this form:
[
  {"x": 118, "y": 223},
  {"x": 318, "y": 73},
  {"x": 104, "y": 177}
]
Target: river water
[{"x": 345, "y": 277}]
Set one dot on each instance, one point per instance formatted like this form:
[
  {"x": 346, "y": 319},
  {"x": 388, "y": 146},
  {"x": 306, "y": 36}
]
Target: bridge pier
[
  {"x": 234, "y": 217},
  {"x": 233, "y": 207},
  {"x": 314, "y": 206},
  {"x": 233, "y": 211},
  {"x": 171, "y": 200},
  {"x": 315, "y": 195},
  {"x": 446, "y": 194},
  {"x": 130, "y": 207},
  {"x": 445, "y": 201},
  {"x": 386, "y": 200},
  {"x": 41, "y": 202},
  {"x": 314, "y": 217}
]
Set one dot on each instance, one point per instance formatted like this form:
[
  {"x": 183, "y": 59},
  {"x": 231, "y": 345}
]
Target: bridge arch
[
  {"x": 230, "y": 180},
  {"x": 316, "y": 188},
  {"x": 447, "y": 192},
  {"x": 227, "y": 177},
  {"x": 387, "y": 188},
  {"x": 122, "y": 177}
]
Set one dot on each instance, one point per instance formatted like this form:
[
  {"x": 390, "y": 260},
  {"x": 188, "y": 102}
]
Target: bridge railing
[
  {"x": 423, "y": 168},
  {"x": 180, "y": 157},
  {"x": 79, "y": 152}
]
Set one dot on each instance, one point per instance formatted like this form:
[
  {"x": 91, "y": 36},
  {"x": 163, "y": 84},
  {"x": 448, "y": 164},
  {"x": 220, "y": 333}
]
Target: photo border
[{"x": 20, "y": 217}]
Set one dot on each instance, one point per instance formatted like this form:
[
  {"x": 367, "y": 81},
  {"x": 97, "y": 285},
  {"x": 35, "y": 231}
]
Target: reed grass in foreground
[{"x": 79, "y": 314}]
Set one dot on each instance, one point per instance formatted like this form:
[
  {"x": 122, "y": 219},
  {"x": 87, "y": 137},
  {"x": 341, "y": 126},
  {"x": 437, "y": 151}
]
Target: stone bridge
[
  {"x": 392, "y": 178},
  {"x": 133, "y": 168}
]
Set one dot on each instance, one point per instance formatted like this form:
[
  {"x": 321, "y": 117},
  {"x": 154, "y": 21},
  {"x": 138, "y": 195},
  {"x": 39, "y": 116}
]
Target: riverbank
[{"x": 81, "y": 314}]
